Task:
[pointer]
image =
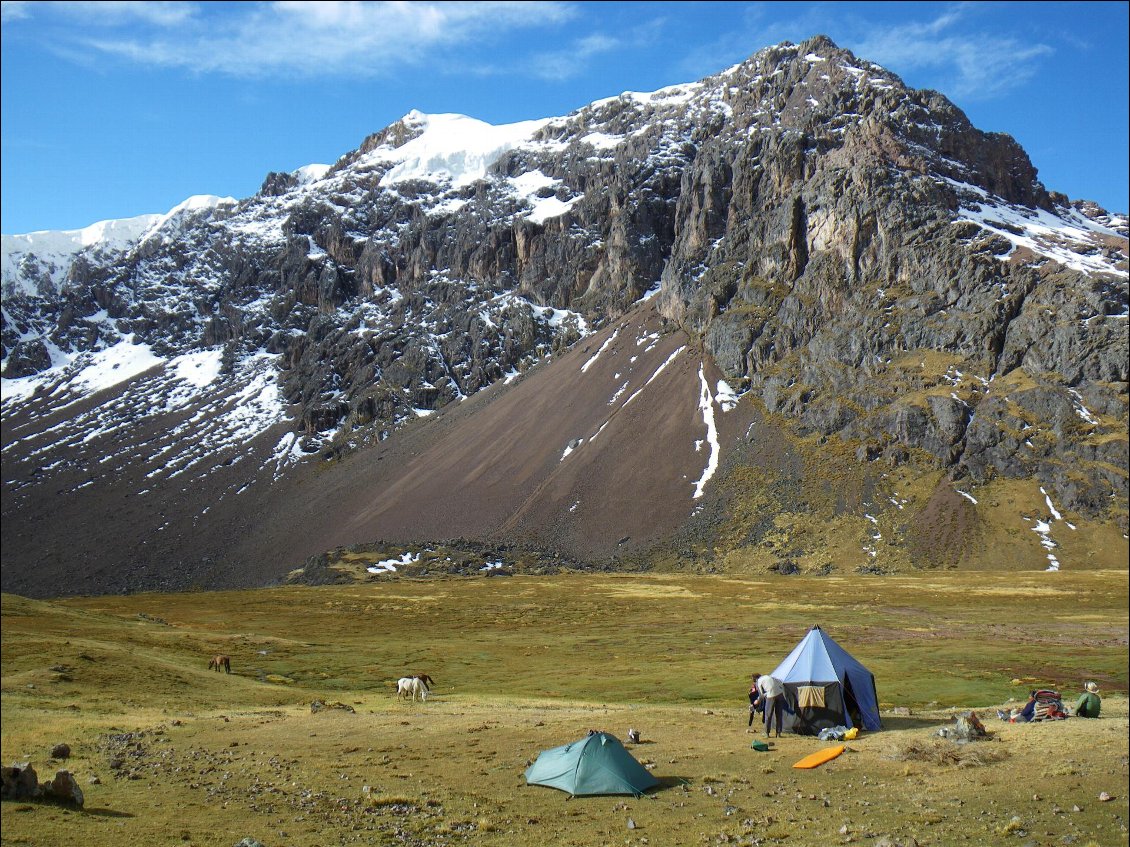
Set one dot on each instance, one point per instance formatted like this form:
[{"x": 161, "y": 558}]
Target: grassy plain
[{"x": 187, "y": 756}]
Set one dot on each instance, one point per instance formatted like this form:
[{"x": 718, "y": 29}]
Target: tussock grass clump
[{"x": 972, "y": 755}]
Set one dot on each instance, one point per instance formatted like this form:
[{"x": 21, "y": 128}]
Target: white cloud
[
  {"x": 563, "y": 64},
  {"x": 11, "y": 10},
  {"x": 107, "y": 13},
  {"x": 297, "y": 38},
  {"x": 970, "y": 65},
  {"x": 124, "y": 12},
  {"x": 951, "y": 51}
]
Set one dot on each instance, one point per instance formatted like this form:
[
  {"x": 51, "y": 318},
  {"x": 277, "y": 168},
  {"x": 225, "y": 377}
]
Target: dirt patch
[{"x": 946, "y": 529}]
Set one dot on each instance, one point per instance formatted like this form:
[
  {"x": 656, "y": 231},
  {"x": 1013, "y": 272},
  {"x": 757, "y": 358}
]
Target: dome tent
[
  {"x": 826, "y": 686},
  {"x": 596, "y": 764}
]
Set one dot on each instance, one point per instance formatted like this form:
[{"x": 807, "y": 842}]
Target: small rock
[
  {"x": 1076, "y": 808},
  {"x": 631, "y": 824},
  {"x": 1104, "y": 797},
  {"x": 61, "y": 751},
  {"x": 248, "y": 842},
  {"x": 94, "y": 780}
]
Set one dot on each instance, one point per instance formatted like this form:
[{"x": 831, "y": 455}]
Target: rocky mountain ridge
[{"x": 852, "y": 254}]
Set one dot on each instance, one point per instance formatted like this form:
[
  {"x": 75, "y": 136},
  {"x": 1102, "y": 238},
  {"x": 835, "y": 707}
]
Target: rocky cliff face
[{"x": 853, "y": 253}]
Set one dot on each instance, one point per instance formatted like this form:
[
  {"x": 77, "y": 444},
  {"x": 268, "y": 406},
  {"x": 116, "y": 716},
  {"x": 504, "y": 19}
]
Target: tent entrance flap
[{"x": 807, "y": 712}]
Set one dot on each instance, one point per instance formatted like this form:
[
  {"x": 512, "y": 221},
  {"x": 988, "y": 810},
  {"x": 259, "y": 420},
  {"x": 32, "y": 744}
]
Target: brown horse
[
  {"x": 424, "y": 678},
  {"x": 220, "y": 662}
]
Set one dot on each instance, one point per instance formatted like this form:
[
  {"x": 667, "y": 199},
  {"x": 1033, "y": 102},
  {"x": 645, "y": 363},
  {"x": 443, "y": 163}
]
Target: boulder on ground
[
  {"x": 966, "y": 727},
  {"x": 20, "y": 782},
  {"x": 64, "y": 789}
]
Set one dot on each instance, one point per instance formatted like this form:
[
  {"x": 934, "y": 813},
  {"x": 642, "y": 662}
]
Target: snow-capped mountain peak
[{"x": 806, "y": 220}]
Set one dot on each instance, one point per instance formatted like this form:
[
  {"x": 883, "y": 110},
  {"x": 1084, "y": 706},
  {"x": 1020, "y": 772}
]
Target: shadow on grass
[
  {"x": 896, "y": 724},
  {"x": 108, "y": 813},
  {"x": 668, "y": 782},
  {"x": 27, "y": 805}
]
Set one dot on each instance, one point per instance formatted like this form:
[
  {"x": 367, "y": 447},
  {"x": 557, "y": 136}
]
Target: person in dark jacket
[{"x": 756, "y": 701}]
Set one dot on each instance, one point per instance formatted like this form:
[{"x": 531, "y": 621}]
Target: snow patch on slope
[
  {"x": 706, "y": 405},
  {"x": 1069, "y": 238},
  {"x": 85, "y": 373}
]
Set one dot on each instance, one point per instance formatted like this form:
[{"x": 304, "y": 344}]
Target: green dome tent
[{"x": 597, "y": 764}]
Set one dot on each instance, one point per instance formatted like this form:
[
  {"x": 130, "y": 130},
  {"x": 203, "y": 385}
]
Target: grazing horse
[
  {"x": 427, "y": 680},
  {"x": 411, "y": 687},
  {"x": 220, "y": 662}
]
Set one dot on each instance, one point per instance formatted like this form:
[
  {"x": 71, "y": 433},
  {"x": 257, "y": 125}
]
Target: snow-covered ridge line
[
  {"x": 53, "y": 251},
  {"x": 195, "y": 203}
]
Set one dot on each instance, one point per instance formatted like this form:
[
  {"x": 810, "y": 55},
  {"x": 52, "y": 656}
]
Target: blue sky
[{"x": 116, "y": 109}]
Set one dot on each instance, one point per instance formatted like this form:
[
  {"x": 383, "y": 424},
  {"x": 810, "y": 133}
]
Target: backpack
[{"x": 1049, "y": 707}]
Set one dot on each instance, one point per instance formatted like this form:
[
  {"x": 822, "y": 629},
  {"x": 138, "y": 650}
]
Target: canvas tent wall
[
  {"x": 596, "y": 764},
  {"x": 826, "y": 686}
]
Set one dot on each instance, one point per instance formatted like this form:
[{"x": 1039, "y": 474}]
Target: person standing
[
  {"x": 773, "y": 696},
  {"x": 756, "y": 702},
  {"x": 1089, "y": 702}
]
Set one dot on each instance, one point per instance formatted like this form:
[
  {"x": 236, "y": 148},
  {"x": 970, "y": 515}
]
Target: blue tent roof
[{"x": 819, "y": 659}]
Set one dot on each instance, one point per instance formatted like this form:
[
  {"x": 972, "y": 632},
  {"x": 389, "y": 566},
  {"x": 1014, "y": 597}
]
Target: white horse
[{"x": 411, "y": 687}]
